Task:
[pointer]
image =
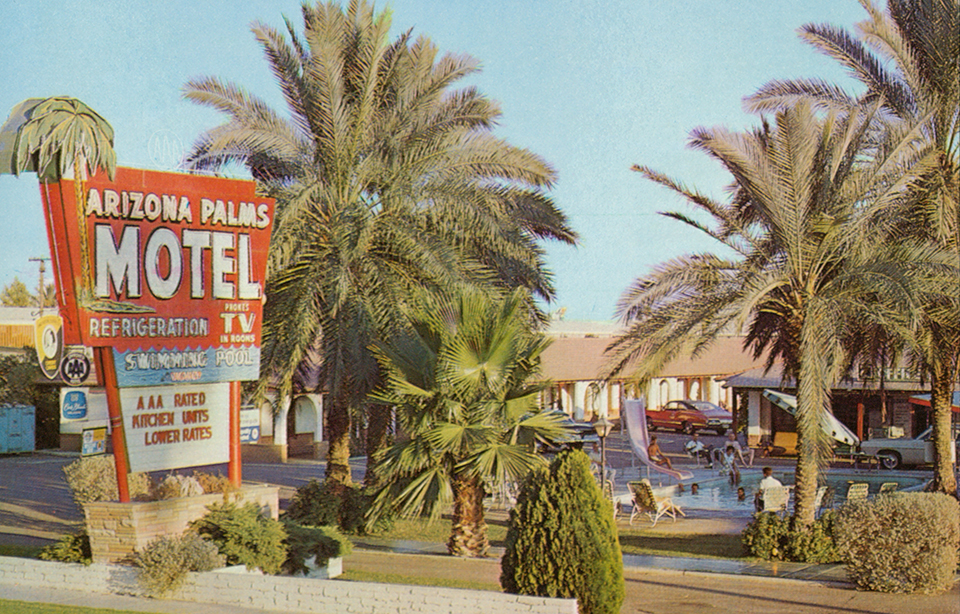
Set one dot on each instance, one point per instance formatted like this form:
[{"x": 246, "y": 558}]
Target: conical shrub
[{"x": 562, "y": 540}]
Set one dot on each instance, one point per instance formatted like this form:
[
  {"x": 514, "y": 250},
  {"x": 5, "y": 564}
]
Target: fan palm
[
  {"x": 793, "y": 272},
  {"x": 908, "y": 59},
  {"x": 466, "y": 391},
  {"x": 387, "y": 182}
]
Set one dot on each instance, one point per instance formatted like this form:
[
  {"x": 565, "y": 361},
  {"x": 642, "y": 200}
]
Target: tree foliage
[
  {"x": 464, "y": 385},
  {"x": 388, "y": 181}
]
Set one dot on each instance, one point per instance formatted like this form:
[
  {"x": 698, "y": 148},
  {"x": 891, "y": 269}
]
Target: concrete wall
[
  {"x": 279, "y": 592},
  {"x": 118, "y": 529}
]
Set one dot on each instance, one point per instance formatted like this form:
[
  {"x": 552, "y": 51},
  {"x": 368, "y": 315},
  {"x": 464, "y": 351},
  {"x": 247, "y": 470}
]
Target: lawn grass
[
  {"x": 19, "y": 551},
  {"x": 29, "y": 607},
  {"x": 438, "y": 531},
  {"x": 396, "y": 578},
  {"x": 632, "y": 541},
  {"x": 723, "y": 546}
]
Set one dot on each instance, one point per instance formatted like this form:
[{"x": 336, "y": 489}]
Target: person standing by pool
[
  {"x": 766, "y": 483},
  {"x": 656, "y": 455},
  {"x": 728, "y": 459}
]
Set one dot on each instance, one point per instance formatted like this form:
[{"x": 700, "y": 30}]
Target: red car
[{"x": 689, "y": 416}]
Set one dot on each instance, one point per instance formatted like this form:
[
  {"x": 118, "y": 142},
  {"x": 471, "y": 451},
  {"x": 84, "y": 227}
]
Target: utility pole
[{"x": 43, "y": 289}]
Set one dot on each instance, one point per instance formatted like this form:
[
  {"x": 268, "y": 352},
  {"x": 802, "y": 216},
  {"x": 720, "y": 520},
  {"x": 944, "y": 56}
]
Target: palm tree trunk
[
  {"x": 338, "y": 453},
  {"x": 378, "y": 430},
  {"x": 468, "y": 534},
  {"x": 812, "y": 399},
  {"x": 941, "y": 399}
]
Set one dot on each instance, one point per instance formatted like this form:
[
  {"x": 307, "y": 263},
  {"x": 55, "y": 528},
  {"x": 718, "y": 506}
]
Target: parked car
[
  {"x": 688, "y": 416},
  {"x": 894, "y": 453},
  {"x": 579, "y": 435}
]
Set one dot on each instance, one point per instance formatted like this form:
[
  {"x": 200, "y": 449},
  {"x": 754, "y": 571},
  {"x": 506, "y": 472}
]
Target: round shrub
[
  {"x": 94, "y": 478},
  {"x": 319, "y": 504},
  {"x": 164, "y": 563},
  {"x": 772, "y": 538},
  {"x": 562, "y": 539},
  {"x": 901, "y": 542},
  {"x": 321, "y": 543},
  {"x": 244, "y": 536}
]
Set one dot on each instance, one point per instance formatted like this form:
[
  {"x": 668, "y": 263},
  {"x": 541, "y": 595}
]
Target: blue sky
[{"x": 592, "y": 86}]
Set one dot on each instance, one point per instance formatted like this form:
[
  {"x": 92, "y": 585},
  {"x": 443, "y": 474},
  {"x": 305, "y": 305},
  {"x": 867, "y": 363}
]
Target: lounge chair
[
  {"x": 645, "y": 501},
  {"x": 888, "y": 487},
  {"x": 776, "y": 499},
  {"x": 858, "y": 491}
]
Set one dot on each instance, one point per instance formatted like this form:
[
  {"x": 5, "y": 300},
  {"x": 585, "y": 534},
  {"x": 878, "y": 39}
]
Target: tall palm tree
[
  {"x": 466, "y": 392},
  {"x": 386, "y": 180},
  {"x": 792, "y": 271},
  {"x": 908, "y": 59}
]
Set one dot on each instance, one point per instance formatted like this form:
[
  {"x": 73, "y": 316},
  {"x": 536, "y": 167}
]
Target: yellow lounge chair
[
  {"x": 645, "y": 501},
  {"x": 858, "y": 492}
]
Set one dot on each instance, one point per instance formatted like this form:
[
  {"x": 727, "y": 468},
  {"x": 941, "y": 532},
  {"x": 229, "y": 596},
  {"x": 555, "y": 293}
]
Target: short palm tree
[
  {"x": 792, "y": 272},
  {"x": 466, "y": 390},
  {"x": 387, "y": 181},
  {"x": 908, "y": 59}
]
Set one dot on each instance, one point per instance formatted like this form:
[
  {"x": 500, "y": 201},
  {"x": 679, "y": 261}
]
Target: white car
[{"x": 894, "y": 453}]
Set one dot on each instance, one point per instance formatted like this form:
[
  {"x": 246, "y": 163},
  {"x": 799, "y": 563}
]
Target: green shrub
[
  {"x": 244, "y": 536},
  {"x": 562, "y": 539},
  {"x": 901, "y": 542},
  {"x": 69, "y": 549},
  {"x": 323, "y": 543},
  {"x": 779, "y": 539},
  {"x": 772, "y": 538},
  {"x": 164, "y": 563},
  {"x": 94, "y": 478},
  {"x": 320, "y": 504}
]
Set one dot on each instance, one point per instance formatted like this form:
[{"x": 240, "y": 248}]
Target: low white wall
[{"x": 280, "y": 592}]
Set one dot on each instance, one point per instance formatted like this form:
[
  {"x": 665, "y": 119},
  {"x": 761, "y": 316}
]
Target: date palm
[
  {"x": 466, "y": 390},
  {"x": 387, "y": 181},
  {"x": 908, "y": 59},
  {"x": 791, "y": 272}
]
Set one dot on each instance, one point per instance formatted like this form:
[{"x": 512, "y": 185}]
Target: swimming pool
[{"x": 720, "y": 494}]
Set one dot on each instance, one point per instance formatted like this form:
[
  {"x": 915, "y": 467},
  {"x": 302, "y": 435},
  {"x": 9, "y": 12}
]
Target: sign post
[{"x": 162, "y": 274}]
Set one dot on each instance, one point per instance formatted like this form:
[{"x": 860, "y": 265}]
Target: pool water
[{"x": 721, "y": 494}]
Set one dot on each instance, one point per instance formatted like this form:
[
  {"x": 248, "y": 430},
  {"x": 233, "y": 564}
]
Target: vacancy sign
[
  {"x": 167, "y": 269},
  {"x": 164, "y": 426}
]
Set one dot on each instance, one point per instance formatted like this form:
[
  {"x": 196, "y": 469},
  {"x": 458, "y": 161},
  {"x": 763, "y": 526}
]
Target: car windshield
[{"x": 704, "y": 405}]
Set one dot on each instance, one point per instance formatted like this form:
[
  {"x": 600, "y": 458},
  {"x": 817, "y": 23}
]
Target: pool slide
[{"x": 634, "y": 416}]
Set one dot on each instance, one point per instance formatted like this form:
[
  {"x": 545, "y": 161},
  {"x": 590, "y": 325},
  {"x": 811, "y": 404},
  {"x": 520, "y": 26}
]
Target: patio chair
[
  {"x": 818, "y": 499},
  {"x": 858, "y": 491},
  {"x": 776, "y": 499},
  {"x": 645, "y": 501},
  {"x": 888, "y": 487}
]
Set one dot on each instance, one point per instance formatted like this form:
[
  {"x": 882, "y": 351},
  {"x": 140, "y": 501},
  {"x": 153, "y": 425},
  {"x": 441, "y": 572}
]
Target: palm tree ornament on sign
[{"x": 58, "y": 138}]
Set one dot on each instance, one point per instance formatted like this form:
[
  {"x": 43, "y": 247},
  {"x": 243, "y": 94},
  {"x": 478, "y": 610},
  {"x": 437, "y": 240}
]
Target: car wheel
[
  {"x": 686, "y": 428},
  {"x": 889, "y": 459},
  {"x": 721, "y": 432},
  {"x": 650, "y": 425}
]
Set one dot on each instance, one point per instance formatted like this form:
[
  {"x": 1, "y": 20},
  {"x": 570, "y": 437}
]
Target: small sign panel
[
  {"x": 249, "y": 426},
  {"x": 74, "y": 405},
  {"x": 49, "y": 343},
  {"x": 170, "y": 427},
  {"x": 94, "y": 441}
]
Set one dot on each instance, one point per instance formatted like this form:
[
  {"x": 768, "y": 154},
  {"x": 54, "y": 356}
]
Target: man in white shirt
[
  {"x": 767, "y": 482},
  {"x": 695, "y": 448}
]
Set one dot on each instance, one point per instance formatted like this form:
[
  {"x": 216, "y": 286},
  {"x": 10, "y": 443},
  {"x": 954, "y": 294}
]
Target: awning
[
  {"x": 924, "y": 399},
  {"x": 829, "y": 423}
]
